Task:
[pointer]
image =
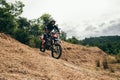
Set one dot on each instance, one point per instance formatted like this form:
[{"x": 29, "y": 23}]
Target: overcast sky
[{"x": 80, "y": 18}]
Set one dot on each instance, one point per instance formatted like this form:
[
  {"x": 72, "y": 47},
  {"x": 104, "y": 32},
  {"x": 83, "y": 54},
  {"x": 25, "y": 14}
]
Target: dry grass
[{"x": 20, "y": 62}]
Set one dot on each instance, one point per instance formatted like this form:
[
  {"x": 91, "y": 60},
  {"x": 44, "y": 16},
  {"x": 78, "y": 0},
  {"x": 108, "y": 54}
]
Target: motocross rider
[{"x": 48, "y": 29}]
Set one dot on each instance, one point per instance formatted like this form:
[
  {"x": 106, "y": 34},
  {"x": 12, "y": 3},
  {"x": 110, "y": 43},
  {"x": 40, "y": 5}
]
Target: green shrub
[{"x": 34, "y": 42}]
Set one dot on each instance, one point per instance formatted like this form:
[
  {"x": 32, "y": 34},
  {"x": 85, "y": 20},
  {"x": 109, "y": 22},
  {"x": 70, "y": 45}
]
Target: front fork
[{"x": 43, "y": 43}]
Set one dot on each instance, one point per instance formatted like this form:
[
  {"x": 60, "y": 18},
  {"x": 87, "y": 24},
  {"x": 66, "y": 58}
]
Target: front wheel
[{"x": 56, "y": 51}]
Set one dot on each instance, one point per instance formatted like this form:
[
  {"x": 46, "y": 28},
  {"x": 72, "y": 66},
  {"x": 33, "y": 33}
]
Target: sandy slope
[
  {"x": 20, "y": 62},
  {"x": 81, "y": 55}
]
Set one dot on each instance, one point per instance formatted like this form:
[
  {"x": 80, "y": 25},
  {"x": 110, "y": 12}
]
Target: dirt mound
[
  {"x": 81, "y": 55},
  {"x": 20, "y": 62}
]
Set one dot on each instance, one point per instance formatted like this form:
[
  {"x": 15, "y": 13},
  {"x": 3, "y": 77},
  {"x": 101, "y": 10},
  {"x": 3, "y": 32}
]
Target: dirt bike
[{"x": 52, "y": 43}]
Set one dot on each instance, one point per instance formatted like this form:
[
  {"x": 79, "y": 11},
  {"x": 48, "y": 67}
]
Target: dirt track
[{"x": 20, "y": 62}]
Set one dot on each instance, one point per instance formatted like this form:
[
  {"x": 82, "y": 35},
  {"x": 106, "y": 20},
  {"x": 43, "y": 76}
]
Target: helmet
[{"x": 52, "y": 21}]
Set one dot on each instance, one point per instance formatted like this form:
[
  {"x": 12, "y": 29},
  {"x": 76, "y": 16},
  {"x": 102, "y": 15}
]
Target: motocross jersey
[{"x": 49, "y": 28}]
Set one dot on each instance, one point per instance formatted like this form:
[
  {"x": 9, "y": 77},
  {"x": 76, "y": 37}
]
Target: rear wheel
[
  {"x": 56, "y": 51},
  {"x": 42, "y": 49}
]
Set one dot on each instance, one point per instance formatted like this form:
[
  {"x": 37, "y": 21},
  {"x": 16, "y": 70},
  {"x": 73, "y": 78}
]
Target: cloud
[
  {"x": 112, "y": 21},
  {"x": 112, "y": 29},
  {"x": 90, "y": 28},
  {"x": 102, "y": 24},
  {"x": 83, "y": 30},
  {"x": 108, "y": 28}
]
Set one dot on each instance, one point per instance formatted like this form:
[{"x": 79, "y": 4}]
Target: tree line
[
  {"x": 20, "y": 28},
  {"x": 29, "y": 31},
  {"x": 109, "y": 44}
]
